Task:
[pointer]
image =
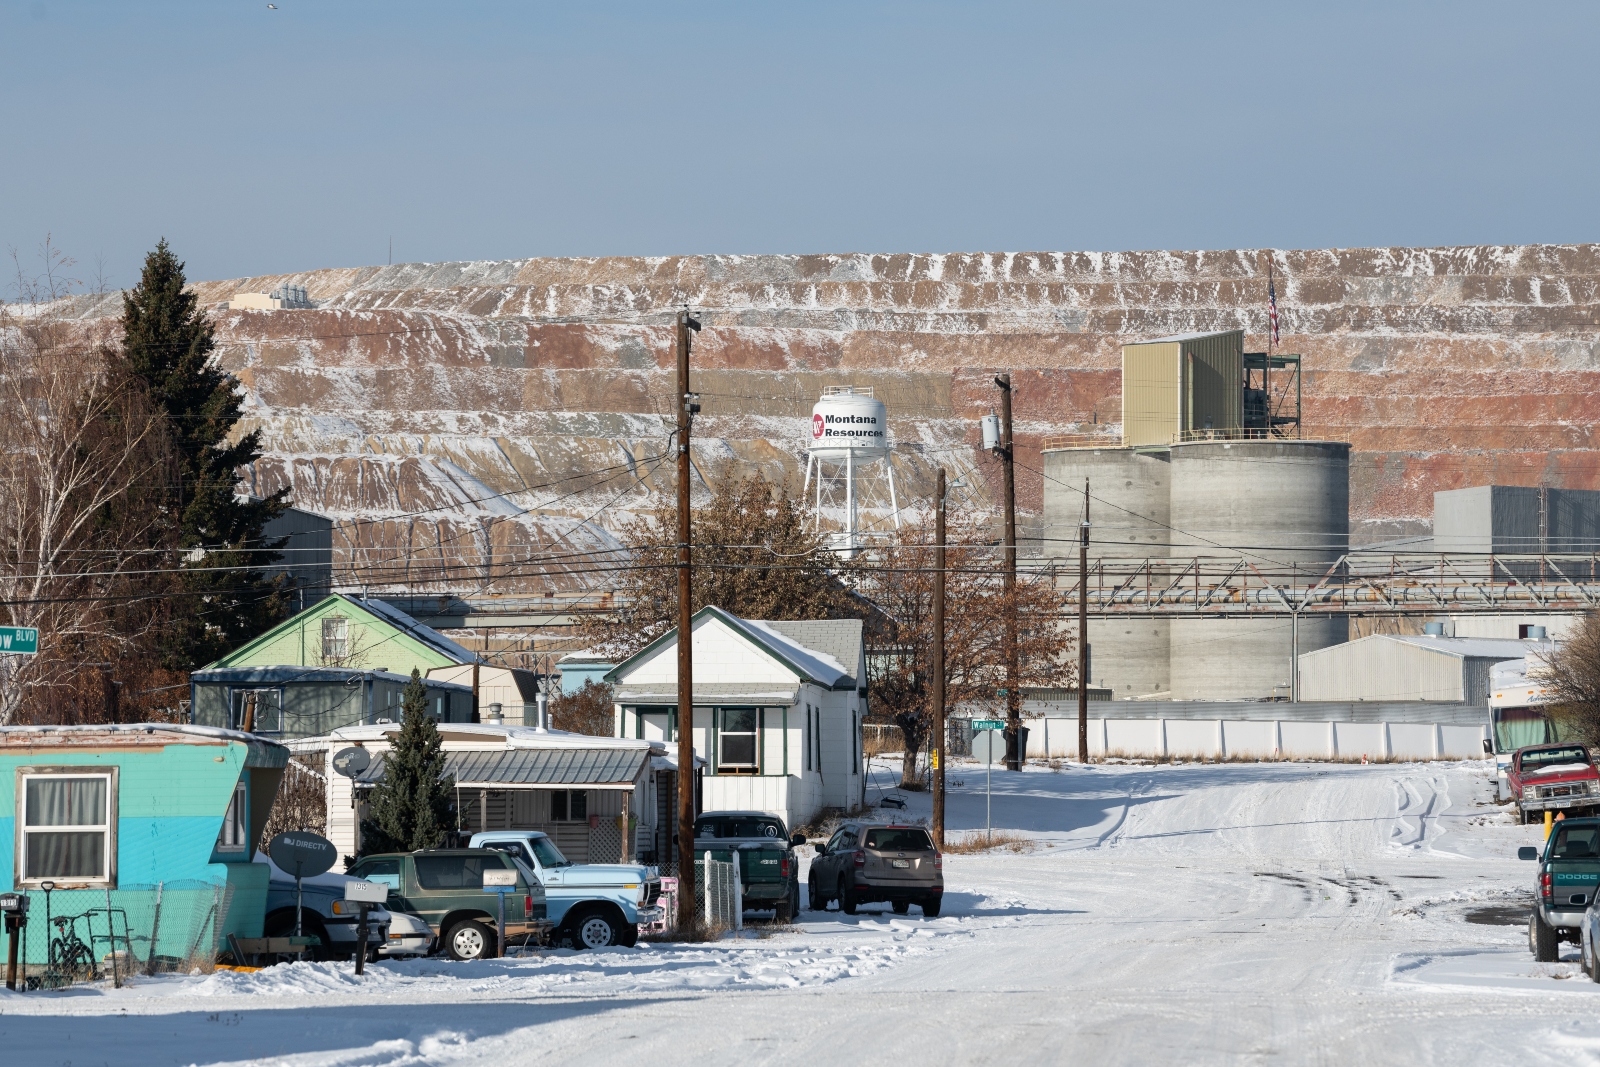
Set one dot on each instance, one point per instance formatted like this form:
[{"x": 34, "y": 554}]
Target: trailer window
[
  {"x": 68, "y": 827},
  {"x": 1516, "y": 728}
]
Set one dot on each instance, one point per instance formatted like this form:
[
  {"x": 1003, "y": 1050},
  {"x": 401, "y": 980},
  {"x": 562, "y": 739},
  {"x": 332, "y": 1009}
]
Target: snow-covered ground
[{"x": 1294, "y": 913}]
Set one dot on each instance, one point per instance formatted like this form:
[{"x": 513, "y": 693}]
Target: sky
[{"x": 261, "y": 141}]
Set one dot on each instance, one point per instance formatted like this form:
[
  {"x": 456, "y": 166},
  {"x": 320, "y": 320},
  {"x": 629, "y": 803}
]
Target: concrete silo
[
  {"x": 1130, "y": 519},
  {"x": 1279, "y": 503}
]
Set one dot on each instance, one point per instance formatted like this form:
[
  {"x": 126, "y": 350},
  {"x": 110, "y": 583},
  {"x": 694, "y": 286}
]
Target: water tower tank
[{"x": 846, "y": 422}]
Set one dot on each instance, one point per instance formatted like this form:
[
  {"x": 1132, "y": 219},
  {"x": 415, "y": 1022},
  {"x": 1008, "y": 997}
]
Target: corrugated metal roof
[
  {"x": 1470, "y": 647},
  {"x": 552, "y": 767}
]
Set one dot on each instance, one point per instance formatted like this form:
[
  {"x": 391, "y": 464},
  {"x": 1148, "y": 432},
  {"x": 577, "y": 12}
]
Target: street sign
[
  {"x": 496, "y": 880},
  {"x": 19, "y": 640},
  {"x": 351, "y": 761},
  {"x": 989, "y": 746},
  {"x": 988, "y": 724},
  {"x": 366, "y": 892}
]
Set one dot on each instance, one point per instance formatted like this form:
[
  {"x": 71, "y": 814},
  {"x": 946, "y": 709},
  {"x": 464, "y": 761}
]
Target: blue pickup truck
[{"x": 592, "y": 904}]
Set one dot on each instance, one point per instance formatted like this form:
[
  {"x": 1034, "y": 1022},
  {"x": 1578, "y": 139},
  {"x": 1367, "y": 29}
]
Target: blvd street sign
[
  {"x": 988, "y": 724},
  {"x": 22, "y": 640}
]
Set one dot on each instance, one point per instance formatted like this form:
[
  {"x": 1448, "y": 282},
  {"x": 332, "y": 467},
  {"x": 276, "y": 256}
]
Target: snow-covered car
[{"x": 326, "y": 914}]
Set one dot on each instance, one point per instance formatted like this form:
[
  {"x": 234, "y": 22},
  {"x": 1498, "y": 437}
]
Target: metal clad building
[
  {"x": 1386, "y": 667},
  {"x": 1176, "y": 387}
]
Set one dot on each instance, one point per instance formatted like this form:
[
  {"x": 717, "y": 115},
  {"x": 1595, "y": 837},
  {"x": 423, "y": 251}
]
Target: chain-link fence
[
  {"x": 718, "y": 895},
  {"x": 91, "y": 935}
]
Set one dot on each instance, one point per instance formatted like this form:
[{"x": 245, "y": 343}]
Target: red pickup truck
[{"x": 1553, "y": 778}]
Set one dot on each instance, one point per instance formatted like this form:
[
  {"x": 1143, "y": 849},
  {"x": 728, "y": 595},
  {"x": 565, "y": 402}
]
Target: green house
[
  {"x": 342, "y": 662},
  {"x": 350, "y": 633},
  {"x": 140, "y": 836}
]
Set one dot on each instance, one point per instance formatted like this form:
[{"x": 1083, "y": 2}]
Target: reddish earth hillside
[{"x": 525, "y": 404}]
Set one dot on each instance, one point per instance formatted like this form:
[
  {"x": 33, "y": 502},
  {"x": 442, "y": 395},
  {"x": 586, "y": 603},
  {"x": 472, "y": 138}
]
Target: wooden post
[
  {"x": 936, "y": 743},
  {"x": 1083, "y": 631},
  {"x": 686, "y": 917},
  {"x": 1015, "y": 757}
]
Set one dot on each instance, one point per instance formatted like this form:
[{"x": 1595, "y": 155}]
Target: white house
[{"x": 778, "y": 708}]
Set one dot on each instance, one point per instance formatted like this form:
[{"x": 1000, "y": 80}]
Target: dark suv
[
  {"x": 866, "y": 862},
  {"x": 444, "y": 888}
]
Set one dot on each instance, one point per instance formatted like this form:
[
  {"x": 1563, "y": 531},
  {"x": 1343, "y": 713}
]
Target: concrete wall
[
  {"x": 1284, "y": 503},
  {"x": 1262, "y": 738}
]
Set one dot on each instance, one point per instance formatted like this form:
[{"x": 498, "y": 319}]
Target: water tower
[{"x": 849, "y": 451}]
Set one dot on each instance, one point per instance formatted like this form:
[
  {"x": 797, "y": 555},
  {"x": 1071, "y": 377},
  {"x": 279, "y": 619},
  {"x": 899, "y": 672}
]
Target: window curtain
[{"x": 66, "y": 802}]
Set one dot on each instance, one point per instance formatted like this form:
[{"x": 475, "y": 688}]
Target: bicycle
[{"x": 70, "y": 957}]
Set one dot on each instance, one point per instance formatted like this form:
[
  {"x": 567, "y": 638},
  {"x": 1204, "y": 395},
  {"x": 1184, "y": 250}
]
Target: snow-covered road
[{"x": 1286, "y": 913}]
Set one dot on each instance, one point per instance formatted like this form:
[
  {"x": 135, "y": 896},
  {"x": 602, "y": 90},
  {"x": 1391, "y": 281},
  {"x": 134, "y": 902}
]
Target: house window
[
  {"x": 805, "y": 738},
  {"x": 260, "y": 711},
  {"x": 736, "y": 742},
  {"x": 569, "y": 805},
  {"x": 67, "y": 826},
  {"x": 235, "y": 825},
  {"x": 335, "y": 638}
]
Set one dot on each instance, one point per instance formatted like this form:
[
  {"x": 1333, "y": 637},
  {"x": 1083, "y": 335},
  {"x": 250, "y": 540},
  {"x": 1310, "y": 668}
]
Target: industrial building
[
  {"x": 1516, "y": 520},
  {"x": 1209, "y": 463},
  {"x": 1390, "y": 667}
]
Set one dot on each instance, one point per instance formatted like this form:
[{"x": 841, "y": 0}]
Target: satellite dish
[
  {"x": 301, "y": 854},
  {"x": 351, "y": 761}
]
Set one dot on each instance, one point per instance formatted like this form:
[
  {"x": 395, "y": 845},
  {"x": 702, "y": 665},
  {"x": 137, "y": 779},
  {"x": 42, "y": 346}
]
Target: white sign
[
  {"x": 494, "y": 879},
  {"x": 366, "y": 892},
  {"x": 989, "y": 746}
]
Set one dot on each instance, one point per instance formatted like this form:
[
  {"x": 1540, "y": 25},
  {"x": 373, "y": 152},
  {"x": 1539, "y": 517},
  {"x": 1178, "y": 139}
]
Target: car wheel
[
  {"x": 901, "y": 906},
  {"x": 594, "y": 928},
  {"x": 1542, "y": 939},
  {"x": 1583, "y": 955},
  {"x": 469, "y": 940},
  {"x": 815, "y": 899},
  {"x": 847, "y": 898},
  {"x": 930, "y": 905},
  {"x": 783, "y": 911}
]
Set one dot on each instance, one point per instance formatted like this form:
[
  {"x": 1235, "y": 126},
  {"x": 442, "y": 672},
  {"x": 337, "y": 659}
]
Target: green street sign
[
  {"x": 19, "y": 639},
  {"x": 988, "y": 724}
]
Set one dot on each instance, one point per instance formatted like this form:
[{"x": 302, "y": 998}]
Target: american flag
[{"x": 1272, "y": 303}]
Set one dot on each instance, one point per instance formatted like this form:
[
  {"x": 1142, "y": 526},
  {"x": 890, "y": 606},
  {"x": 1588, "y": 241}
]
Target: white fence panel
[
  {"x": 1463, "y": 742},
  {"x": 1352, "y": 739},
  {"x": 1134, "y": 737},
  {"x": 1249, "y": 738},
  {"x": 1306, "y": 740},
  {"x": 1413, "y": 740},
  {"x": 1192, "y": 737}
]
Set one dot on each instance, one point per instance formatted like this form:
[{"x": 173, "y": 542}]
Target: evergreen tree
[
  {"x": 222, "y": 600},
  {"x": 411, "y": 806}
]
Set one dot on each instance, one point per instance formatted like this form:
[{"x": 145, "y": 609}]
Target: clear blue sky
[{"x": 262, "y": 141}]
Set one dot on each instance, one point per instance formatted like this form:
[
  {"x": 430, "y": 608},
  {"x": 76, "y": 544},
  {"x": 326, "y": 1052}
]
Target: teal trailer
[{"x": 140, "y": 836}]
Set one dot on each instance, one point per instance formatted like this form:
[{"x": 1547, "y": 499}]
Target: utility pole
[
  {"x": 686, "y": 777},
  {"x": 1083, "y": 630},
  {"x": 1014, "y": 754},
  {"x": 936, "y": 746}
]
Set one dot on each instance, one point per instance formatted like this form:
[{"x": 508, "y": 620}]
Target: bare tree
[
  {"x": 81, "y": 449},
  {"x": 587, "y": 711},
  {"x": 1572, "y": 674},
  {"x": 898, "y": 580}
]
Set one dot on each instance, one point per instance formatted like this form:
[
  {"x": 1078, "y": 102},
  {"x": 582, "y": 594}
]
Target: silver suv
[{"x": 866, "y": 862}]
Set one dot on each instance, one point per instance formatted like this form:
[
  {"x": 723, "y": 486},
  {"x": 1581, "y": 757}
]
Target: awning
[
  {"x": 709, "y": 694},
  {"x": 552, "y": 768}
]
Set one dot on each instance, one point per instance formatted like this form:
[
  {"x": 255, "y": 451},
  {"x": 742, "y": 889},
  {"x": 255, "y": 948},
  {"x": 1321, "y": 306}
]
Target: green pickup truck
[
  {"x": 768, "y": 869},
  {"x": 444, "y": 888},
  {"x": 1568, "y": 876}
]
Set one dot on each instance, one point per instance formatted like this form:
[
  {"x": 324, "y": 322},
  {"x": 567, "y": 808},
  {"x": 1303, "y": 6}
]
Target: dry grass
[
  {"x": 973, "y": 841},
  {"x": 697, "y": 933}
]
